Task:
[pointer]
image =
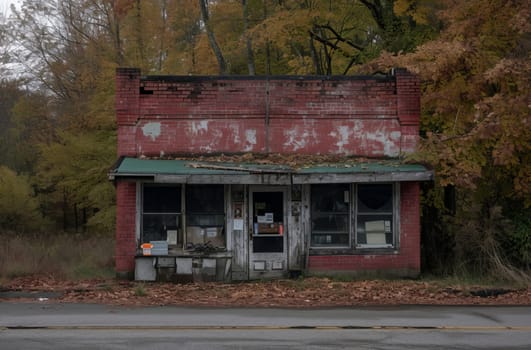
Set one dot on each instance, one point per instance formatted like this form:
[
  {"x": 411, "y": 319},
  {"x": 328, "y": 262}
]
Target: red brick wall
[
  {"x": 125, "y": 227},
  {"x": 127, "y": 108},
  {"x": 364, "y": 116},
  {"x": 405, "y": 261}
]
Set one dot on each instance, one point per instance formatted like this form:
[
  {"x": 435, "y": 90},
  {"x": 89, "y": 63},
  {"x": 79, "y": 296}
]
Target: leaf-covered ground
[{"x": 309, "y": 292}]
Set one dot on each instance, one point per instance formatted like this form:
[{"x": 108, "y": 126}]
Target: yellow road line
[{"x": 227, "y": 328}]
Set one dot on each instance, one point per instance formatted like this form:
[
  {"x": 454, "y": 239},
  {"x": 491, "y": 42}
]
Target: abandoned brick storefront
[{"x": 236, "y": 178}]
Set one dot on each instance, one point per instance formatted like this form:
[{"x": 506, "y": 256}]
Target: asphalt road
[{"x": 70, "y": 326}]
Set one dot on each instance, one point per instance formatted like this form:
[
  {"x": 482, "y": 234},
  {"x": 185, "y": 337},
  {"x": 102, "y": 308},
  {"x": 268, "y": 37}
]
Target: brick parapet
[
  {"x": 408, "y": 97},
  {"x": 355, "y": 116},
  {"x": 127, "y": 107},
  {"x": 408, "y": 108}
]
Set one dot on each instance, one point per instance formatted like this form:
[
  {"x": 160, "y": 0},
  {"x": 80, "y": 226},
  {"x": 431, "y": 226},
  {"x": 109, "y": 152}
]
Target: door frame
[{"x": 269, "y": 260}]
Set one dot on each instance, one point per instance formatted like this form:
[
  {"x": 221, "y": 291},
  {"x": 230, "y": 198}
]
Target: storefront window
[
  {"x": 372, "y": 220},
  {"x": 161, "y": 214},
  {"x": 330, "y": 215},
  {"x": 374, "y": 215},
  {"x": 205, "y": 214}
]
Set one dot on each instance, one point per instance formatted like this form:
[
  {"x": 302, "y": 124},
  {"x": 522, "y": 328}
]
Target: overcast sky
[{"x": 4, "y": 5}]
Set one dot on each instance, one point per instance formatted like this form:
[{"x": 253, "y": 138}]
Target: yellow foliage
[
  {"x": 18, "y": 206},
  {"x": 476, "y": 88},
  {"x": 419, "y": 10}
]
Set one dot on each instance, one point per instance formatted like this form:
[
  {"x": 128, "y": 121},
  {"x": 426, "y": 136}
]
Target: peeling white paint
[
  {"x": 162, "y": 153},
  {"x": 395, "y": 135},
  {"x": 235, "y": 133},
  {"x": 296, "y": 139},
  {"x": 390, "y": 148},
  {"x": 151, "y": 130},
  {"x": 205, "y": 149},
  {"x": 358, "y": 127},
  {"x": 342, "y": 133},
  {"x": 250, "y": 140},
  {"x": 213, "y": 141},
  {"x": 199, "y": 127}
]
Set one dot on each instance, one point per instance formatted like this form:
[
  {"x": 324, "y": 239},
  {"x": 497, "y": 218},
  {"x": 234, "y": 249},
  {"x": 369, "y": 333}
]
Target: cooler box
[{"x": 159, "y": 248}]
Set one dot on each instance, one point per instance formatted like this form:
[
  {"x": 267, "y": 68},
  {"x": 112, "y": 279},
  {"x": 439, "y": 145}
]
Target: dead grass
[{"x": 67, "y": 256}]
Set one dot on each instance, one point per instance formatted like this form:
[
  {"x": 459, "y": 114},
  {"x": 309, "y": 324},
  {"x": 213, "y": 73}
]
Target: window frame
[
  {"x": 349, "y": 221},
  {"x": 395, "y": 215},
  {"x": 180, "y": 214},
  {"x": 353, "y": 211},
  {"x": 187, "y": 213},
  {"x": 182, "y": 227}
]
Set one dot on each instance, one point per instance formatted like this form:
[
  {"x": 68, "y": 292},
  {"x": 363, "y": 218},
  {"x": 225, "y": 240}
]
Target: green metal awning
[
  {"x": 377, "y": 171},
  {"x": 194, "y": 171}
]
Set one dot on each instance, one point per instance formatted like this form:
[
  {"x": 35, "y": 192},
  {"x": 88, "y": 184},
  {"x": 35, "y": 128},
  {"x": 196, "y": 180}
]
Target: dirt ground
[{"x": 308, "y": 292}]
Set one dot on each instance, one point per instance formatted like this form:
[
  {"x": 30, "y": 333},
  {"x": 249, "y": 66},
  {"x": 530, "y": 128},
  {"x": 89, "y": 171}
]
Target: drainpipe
[{"x": 267, "y": 116}]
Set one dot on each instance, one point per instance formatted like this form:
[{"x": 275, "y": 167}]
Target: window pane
[
  {"x": 330, "y": 215},
  {"x": 268, "y": 244},
  {"x": 329, "y": 198},
  {"x": 329, "y": 222},
  {"x": 375, "y": 198},
  {"x": 155, "y": 227},
  {"x": 162, "y": 199},
  {"x": 330, "y": 240},
  {"x": 268, "y": 202},
  {"x": 205, "y": 220},
  {"x": 205, "y": 214},
  {"x": 205, "y": 199}
]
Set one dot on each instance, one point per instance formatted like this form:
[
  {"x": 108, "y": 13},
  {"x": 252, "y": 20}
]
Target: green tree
[
  {"x": 19, "y": 210},
  {"x": 69, "y": 50},
  {"x": 72, "y": 176},
  {"x": 9, "y": 94}
]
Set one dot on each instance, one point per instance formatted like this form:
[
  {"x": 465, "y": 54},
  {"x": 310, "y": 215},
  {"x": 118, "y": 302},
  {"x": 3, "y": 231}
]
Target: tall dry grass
[{"x": 65, "y": 256}]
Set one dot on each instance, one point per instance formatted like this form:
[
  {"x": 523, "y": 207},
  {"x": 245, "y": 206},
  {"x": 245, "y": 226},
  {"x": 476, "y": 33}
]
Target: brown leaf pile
[
  {"x": 295, "y": 161},
  {"x": 309, "y": 292}
]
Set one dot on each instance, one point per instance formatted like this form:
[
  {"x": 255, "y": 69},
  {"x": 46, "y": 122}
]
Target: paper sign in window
[
  {"x": 261, "y": 219},
  {"x": 387, "y": 226},
  {"x": 211, "y": 232},
  {"x": 375, "y": 231},
  {"x": 237, "y": 224},
  {"x": 171, "y": 237}
]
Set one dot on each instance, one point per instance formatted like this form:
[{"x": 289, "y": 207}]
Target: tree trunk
[
  {"x": 139, "y": 36},
  {"x": 250, "y": 55},
  {"x": 162, "y": 49},
  {"x": 268, "y": 48},
  {"x": 211, "y": 38}
]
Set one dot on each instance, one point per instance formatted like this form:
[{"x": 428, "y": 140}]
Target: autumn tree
[
  {"x": 330, "y": 37},
  {"x": 475, "y": 122}
]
